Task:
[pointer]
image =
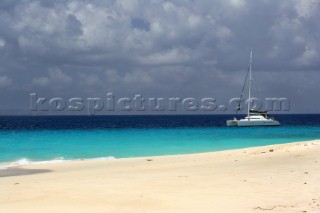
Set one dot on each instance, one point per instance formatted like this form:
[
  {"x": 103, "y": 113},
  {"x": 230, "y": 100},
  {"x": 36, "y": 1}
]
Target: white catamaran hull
[
  {"x": 267, "y": 122},
  {"x": 232, "y": 123}
]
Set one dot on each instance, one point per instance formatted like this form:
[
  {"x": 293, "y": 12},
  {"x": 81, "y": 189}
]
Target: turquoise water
[{"x": 49, "y": 144}]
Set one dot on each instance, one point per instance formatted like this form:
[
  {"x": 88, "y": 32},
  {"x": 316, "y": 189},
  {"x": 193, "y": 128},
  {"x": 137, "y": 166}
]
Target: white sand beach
[{"x": 277, "y": 178}]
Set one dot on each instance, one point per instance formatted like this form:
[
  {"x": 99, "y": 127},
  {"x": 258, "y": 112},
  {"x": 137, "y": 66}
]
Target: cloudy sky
[{"x": 158, "y": 48}]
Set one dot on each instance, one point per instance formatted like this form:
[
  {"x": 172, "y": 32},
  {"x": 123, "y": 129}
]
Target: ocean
[{"x": 38, "y": 139}]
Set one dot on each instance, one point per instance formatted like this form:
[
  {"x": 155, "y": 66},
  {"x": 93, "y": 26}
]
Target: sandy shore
[{"x": 278, "y": 178}]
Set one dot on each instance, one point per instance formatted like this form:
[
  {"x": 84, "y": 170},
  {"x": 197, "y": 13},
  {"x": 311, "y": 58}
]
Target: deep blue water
[{"x": 72, "y": 137}]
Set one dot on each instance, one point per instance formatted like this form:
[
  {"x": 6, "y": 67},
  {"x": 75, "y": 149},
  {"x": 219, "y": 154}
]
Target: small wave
[
  {"x": 26, "y": 161},
  {"x": 22, "y": 162}
]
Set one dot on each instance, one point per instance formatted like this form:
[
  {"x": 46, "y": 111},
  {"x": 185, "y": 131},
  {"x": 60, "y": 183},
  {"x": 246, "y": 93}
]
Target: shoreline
[
  {"x": 277, "y": 178},
  {"x": 58, "y": 160},
  {"x": 28, "y": 162}
]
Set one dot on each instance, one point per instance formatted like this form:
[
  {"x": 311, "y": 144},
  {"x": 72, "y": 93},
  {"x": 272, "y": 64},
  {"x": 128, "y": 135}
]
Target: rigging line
[{"x": 244, "y": 85}]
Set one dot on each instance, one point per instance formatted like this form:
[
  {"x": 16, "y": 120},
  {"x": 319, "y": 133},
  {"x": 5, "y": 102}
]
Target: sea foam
[{"x": 26, "y": 161}]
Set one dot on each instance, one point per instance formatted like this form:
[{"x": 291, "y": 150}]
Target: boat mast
[{"x": 250, "y": 82}]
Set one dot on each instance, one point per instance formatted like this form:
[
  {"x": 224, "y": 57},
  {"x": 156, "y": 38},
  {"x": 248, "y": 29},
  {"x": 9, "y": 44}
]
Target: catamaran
[{"x": 254, "y": 117}]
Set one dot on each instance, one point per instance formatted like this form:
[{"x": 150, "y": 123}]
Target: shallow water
[{"x": 28, "y": 139}]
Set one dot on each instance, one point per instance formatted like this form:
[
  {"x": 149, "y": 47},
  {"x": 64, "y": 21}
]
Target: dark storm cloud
[{"x": 181, "y": 48}]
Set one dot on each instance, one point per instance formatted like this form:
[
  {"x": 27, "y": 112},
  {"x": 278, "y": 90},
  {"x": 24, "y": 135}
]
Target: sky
[{"x": 158, "y": 48}]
